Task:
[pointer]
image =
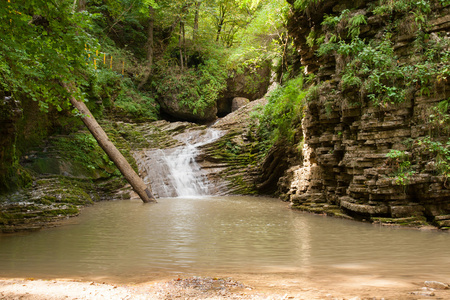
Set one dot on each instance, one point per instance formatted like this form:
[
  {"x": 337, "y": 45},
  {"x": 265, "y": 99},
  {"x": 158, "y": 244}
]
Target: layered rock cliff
[{"x": 376, "y": 126}]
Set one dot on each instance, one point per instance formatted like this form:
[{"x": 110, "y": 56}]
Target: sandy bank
[{"x": 222, "y": 288}]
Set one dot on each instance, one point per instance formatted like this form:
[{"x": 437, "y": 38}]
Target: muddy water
[{"x": 131, "y": 241}]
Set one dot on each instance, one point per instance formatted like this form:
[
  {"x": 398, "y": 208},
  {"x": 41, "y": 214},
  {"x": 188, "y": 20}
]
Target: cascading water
[{"x": 174, "y": 172}]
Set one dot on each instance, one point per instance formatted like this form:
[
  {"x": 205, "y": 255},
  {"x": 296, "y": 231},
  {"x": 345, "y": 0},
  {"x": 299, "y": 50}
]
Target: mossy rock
[
  {"x": 414, "y": 221},
  {"x": 50, "y": 200}
]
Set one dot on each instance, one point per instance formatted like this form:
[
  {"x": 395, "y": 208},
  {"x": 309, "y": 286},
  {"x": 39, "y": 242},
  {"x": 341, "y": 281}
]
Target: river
[{"x": 131, "y": 242}]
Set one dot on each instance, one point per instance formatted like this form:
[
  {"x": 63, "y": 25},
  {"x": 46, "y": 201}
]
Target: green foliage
[
  {"x": 310, "y": 39},
  {"x": 354, "y": 25},
  {"x": 345, "y": 19},
  {"x": 104, "y": 85},
  {"x": 262, "y": 40},
  {"x": 302, "y": 5},
  {"x": 400, "y": 161},
  {"x": 374, "y": 70},
  {"x": 195, "y": 88},
  {"x": 82, "y": 148},
  {"x": 441, "y": 154},
  {"x": 331, "y": 21},
  {"x": 377, "y": 73},
  {"x": 43, "y": 44},
  {"x": 390, "y": 7},
  {"x": 283, "y": 111},
  {"x": 120, "y": 23},
  {"x": 134, "y": 104}
]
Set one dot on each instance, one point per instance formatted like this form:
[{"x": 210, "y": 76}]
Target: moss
[
  {"x": 241, "y": 157},
  {"x": 72, "y": 210},
  {"x": 318, "y": 208},
  {"x": 312, "y": 209},
  {"x": 240, "y": 186},
  {"x": 139, "y": 136},
  {"x": 413, "y": 221},
  {"x": 50, "y": 199},
  {"x": 23, "y": 217}
]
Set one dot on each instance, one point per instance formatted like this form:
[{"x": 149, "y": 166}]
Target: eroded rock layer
[{"x": 347, "y": 170}]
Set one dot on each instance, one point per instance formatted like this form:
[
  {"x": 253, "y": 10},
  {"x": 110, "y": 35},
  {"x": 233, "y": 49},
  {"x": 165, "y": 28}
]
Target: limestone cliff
[{"x": 374, "y": 150}]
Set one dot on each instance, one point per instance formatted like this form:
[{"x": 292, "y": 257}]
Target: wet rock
[
  {"x": 181, "y": 111},
  {"x": 251, "y": 83}
]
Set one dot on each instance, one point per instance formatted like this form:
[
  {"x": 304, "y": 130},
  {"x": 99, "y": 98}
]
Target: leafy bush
[
  {"x": 134, "y": 104},
  {"x": 105, "y": 85},
  {"x": 441, "y": 152},
  {"x": 389, "y": 7},
  {"x": 302, "y": 5},
  {"x": 82, "y": 148},
  {"x": 400, "y": 160},
  {"x": 372, "y": 68},
  {"x": 195, "y": 88},
  {"x": 282, "y": 112}
]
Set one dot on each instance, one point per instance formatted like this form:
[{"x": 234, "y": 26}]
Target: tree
[
  {"x": 119, "y": 160},
  {"x": 196, "y": 14},
  {"x": 229, "y": 16},
  {"x": 43, "y": 44},
  {"x": 151, "y": 21}
]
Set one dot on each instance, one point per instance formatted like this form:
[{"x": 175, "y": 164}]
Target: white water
[{"x": 174, "y": 172}]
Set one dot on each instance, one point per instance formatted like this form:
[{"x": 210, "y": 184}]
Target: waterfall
[{"x": 174, "y": 172}]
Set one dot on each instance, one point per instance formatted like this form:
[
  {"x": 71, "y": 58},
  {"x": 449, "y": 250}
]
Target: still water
[{"x": 129, "y": 241}]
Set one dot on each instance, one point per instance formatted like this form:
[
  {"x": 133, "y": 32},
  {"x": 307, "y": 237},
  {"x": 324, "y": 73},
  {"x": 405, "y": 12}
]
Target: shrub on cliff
[
  {"x": 283, "y": 112},
  {"x": 191, "y": 93}
]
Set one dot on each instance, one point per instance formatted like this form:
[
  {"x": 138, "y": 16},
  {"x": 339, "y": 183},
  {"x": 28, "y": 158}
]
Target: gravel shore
[{"x": 220, "y": 288}]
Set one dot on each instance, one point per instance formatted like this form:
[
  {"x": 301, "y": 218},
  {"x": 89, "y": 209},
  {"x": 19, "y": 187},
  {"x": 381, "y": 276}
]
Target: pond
[{"x": 130, "y": 241}]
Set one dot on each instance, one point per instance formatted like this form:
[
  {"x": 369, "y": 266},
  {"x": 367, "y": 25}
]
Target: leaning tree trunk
[{"x": 114, "y": 154}]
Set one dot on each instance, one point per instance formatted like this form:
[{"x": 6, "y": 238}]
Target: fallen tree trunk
[{"x": 113, "y": 153}]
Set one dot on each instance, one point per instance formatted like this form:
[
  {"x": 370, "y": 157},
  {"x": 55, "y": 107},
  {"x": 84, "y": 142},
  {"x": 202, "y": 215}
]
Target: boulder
[
  {"x": 252, "y": 84},
  {"x": 174, "y": 108},
  {"x": 238, "y": 102}
]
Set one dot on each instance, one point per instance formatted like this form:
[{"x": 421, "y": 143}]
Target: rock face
[
  {"x": 347, "y": 169},
  {"x": 238, "y": 102},
  {"x": 173, "y": 107},
  {"x": 233, "y": 160},
  {"x": 68, "y": 173},
  {"x": 225, "y": 154},
  {"x": 250, "y": 84}
]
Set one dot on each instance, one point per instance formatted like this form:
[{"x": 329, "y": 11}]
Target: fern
[{"x": 355, "y": 23}]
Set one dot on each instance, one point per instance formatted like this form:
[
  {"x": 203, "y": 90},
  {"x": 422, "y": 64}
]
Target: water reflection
[
  {"x": 302, "y": 241},
  {"x": 129, "y": 239}
]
